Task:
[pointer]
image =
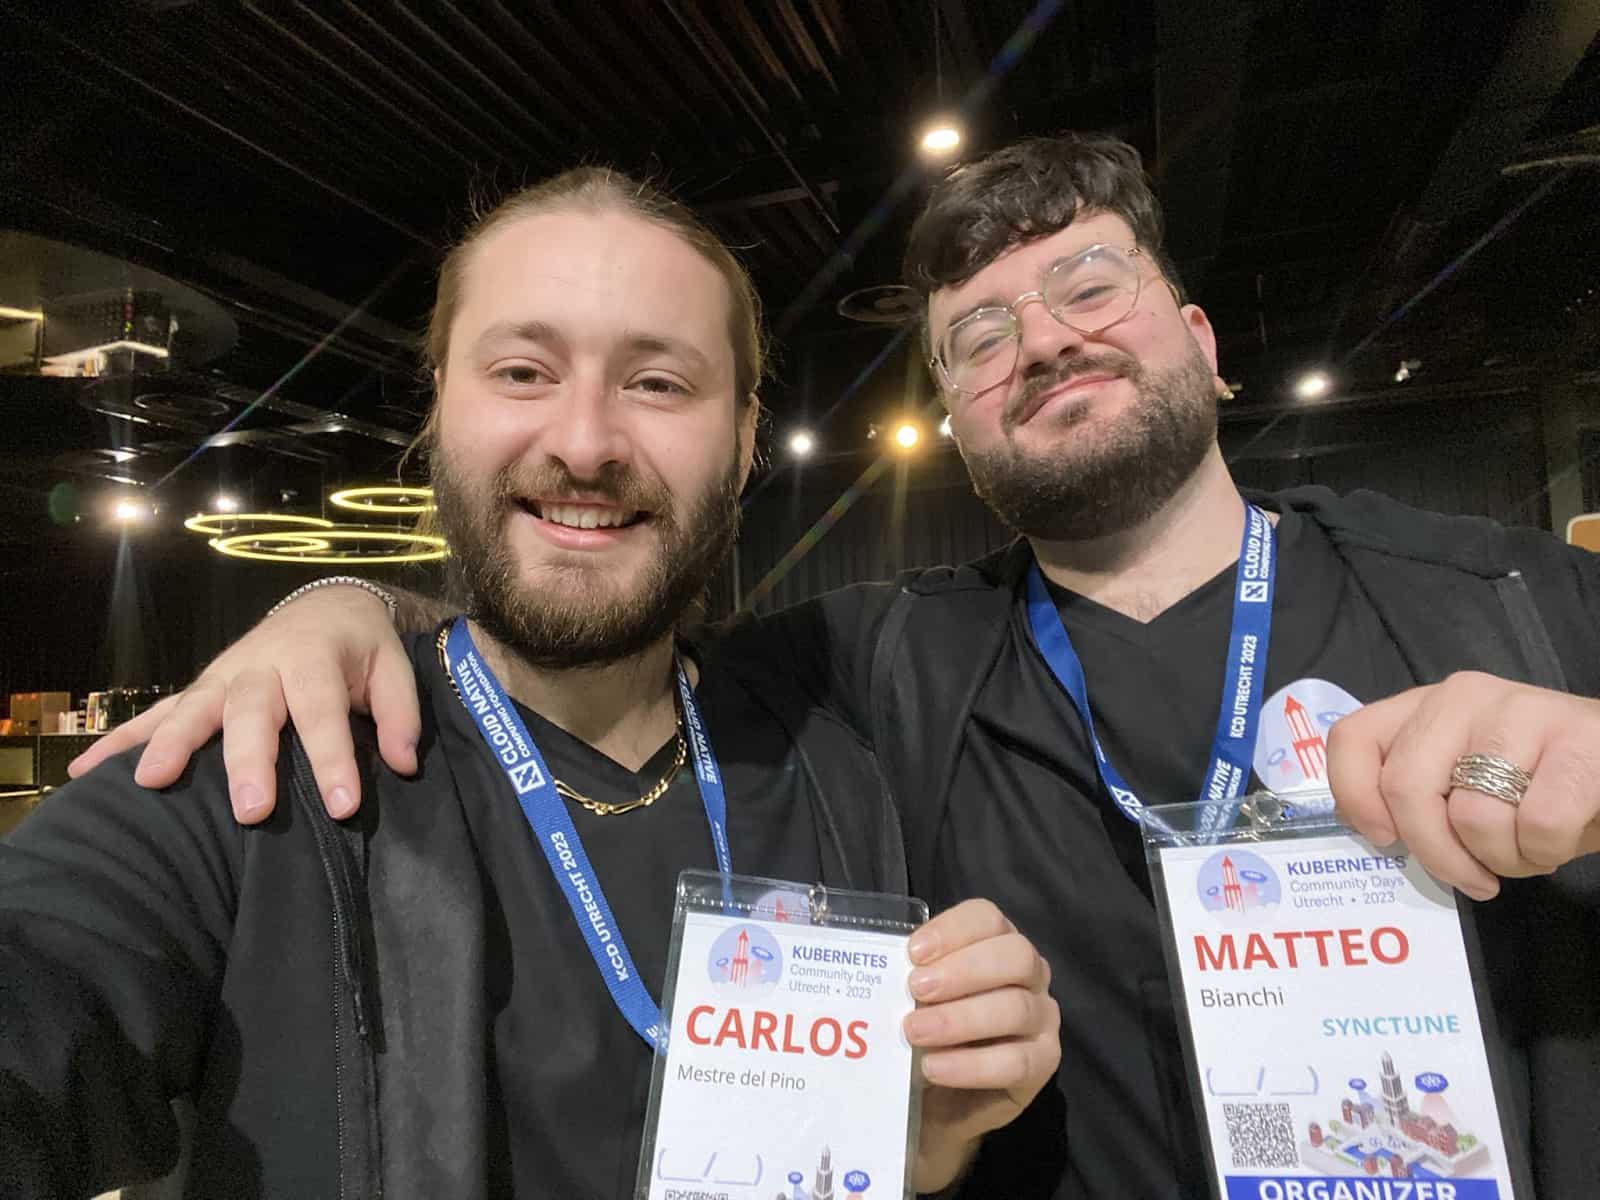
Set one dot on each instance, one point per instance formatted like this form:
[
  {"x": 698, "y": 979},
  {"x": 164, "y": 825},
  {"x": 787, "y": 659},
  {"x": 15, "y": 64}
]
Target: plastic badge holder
[
  {"x": 1359, "y": 1072},
  {"x": 794, "y": 1096}
]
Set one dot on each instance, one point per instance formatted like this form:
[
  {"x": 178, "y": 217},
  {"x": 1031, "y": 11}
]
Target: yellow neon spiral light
[
  {"x": 210, "y": 523},
  {"x": 407, "y": 501},
  {"x": 244, "y": 545},
  {"x": 290, "y": 546}
]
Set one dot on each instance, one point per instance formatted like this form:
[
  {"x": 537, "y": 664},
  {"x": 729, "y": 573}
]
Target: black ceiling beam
[
  {"x": 1542, "y": 51},
  {"x": 762, "y": 199},
  {"x": 777, "y": 147}
]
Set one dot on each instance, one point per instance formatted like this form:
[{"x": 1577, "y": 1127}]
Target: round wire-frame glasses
[{"x": 1088, "y": 292}]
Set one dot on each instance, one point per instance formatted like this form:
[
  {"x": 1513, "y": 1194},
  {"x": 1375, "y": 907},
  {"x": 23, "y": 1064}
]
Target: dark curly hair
[{"x": 1028, "y": 190}]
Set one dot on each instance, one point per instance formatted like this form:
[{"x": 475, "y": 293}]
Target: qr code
[{"x": 1261, "y": 1135}]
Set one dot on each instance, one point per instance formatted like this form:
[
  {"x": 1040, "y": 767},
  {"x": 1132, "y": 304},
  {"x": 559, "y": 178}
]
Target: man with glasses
[{"x": 1025, "y": 705}]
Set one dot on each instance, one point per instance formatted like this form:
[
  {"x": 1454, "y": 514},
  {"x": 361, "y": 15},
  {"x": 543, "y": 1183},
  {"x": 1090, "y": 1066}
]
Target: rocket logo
[
  {"x": 1234, "y": 882},
  {"x": 1292, "y": 745},
  {"x": 745, "y": 959}
]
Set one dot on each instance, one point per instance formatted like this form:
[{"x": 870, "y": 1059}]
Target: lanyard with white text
[
  {"x": 513, "y": 747},
  {"x": 1234, "y": 745}
]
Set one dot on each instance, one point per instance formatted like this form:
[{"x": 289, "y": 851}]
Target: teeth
[{"x": 584, "y": 517}]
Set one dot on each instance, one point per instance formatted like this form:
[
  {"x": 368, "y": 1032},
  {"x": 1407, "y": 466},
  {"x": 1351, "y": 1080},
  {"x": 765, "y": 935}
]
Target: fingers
[
  {"x": 968, "y": 922},
  {"x": 318, "y": 701},
  {"x": 1356, "y": 746},
  {"x": 1416, "y": 776},
  {"x": 1556, "y": 821},
  {"x": 187, "y": 726},
  {"x": 392, "y": 700},
  {"x": 1512, "y": 728},
  {"x": 253, "y": 713},
  {"x": 1019, "y": 1065},
  {"x": 1008, "y": 960},
  {"x": 123, "y": 737},
  {"x": 1000, "y": 1013}
]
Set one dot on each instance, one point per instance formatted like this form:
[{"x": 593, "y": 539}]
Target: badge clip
[
  {"x": 817, "y": 899},
  {"x": 1264, "y": 810}
]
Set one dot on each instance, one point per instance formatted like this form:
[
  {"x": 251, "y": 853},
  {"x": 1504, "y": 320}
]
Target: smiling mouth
[
  {"x": 1065, "y": 388},
  {"x": 583, "y": 516}
]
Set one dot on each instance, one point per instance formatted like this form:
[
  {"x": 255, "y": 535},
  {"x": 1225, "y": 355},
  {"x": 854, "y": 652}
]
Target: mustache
[
  {"x": 615, "y": 483},
  {"x": 1063, "y": 370}
]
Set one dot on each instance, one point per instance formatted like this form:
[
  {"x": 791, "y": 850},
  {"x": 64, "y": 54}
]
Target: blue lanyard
[
  {"x": 513, "y": 747},
  {"x": 1234, "y": 745}
]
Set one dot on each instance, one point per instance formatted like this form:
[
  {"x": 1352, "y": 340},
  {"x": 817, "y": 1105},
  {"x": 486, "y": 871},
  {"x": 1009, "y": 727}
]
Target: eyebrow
[
  {"x": 998, "y": 302},
  {"x": 543, "y": 331},
  {"x": 986, "y": 302},
  {"x": 519, "y": 331}
]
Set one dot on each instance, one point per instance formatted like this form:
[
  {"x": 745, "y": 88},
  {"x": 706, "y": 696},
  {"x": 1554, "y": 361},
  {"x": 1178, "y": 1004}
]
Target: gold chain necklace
[{"x": 598, "y": 807}]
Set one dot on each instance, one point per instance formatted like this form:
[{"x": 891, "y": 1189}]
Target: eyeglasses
[{"x": 1088, "y": 292}]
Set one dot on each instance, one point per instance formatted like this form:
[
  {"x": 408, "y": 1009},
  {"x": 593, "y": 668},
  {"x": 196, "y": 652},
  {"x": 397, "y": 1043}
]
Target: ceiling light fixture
[
  {"x": 802, "y": 443},
  {"x": 287, "y": 546},
  {"x": 408, "y": 501},
  {"x": 1312, "y": 385},
  {"x": 128, "y": 510},
  {"x": 225, "y": 503},
  {"x": 944, "y": 427},
  {"x": 940, "y": 139},
  {"x": 20, "y": 314},
  {"x": 906, "y": 435}
]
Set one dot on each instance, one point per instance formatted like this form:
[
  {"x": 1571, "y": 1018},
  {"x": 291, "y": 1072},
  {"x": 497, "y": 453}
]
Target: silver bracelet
[{"x": 329, "y": 581}]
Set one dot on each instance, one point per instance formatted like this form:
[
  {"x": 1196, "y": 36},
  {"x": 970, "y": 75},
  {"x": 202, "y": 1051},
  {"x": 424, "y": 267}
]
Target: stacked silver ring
[{"x": 1491, "y": 775}]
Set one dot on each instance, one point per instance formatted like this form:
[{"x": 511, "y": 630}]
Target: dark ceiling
[{"x": 302, "y": 164}]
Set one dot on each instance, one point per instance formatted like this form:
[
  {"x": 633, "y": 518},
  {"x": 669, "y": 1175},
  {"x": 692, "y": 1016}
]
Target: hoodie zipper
[{"x": 347, "y": 977}]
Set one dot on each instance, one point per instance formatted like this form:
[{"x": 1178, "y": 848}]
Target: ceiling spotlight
[
  {"x": 128, "y": 510},
  {"x": 224, "y": 503},
  {"x": 1404, "y": 370},
  {"x": 940, "y": 138},
  {"x": 906, "y": 435},
  {"x": 1312, "y": 385},
  {"x": 944, "y": 427},
  {"x": 802, "y": 443}
]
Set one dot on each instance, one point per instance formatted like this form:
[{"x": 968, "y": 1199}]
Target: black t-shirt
[
  {"x": 570, "y": 1077},
  {"x": 1030, "y": 825}
]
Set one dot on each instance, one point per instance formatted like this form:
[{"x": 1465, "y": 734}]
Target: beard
[
  {"x": 1108, "y": 481},
  {"x": 574, "y": 615}
]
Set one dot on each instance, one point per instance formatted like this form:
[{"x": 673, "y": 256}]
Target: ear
[
  {"x": 749, "y": 418},
  {"x": 1199, "y": 327}
]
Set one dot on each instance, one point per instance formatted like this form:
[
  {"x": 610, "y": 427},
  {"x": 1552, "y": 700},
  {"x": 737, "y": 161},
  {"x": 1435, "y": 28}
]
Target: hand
[
  {"x": 988, "y": 1027},
  {"x": 330, "y": 651},
  {"x": 1389, "y": 769}
]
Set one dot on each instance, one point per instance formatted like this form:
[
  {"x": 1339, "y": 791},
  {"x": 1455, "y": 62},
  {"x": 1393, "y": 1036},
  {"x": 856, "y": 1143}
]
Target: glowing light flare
[
  {"x": 940, "y": 138},
  {"x": 1313, "y": 385},
  {"x": 802, "y": 444},
  {"x": 944, "y": 428},
  {"x": 285, "y": 546},
  {"x": 128, "y": 510},
  {"x": 907, "y": 435},
  {"x": 76, "y": 357},
  {"x": 225, "y": 503},
  {"x": 20, "y": 314},
  {"x": 407, "y": 501}
]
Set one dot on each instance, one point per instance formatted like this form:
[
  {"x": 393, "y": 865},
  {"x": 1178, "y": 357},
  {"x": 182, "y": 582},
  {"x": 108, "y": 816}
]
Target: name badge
[
  {"x": 1335, "y": 1033},
  {"x": 785, "y": 1071}
]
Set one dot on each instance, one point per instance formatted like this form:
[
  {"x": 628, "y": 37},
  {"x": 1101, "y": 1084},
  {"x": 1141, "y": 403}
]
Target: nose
[
  {"x": 1043, "y": 338},
  {"x": 586, "y": 430}
]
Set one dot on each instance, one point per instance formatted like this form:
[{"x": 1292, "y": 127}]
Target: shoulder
[{"x": 1372, "y": 520}]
